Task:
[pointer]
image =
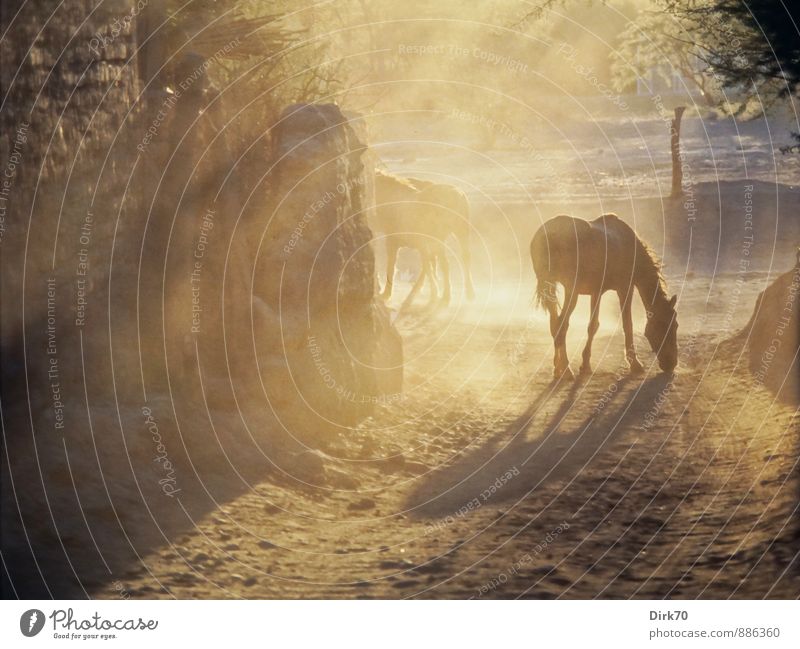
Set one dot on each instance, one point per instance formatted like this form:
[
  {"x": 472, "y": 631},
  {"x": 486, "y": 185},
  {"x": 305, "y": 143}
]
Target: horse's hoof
[
  {"x": 586, "y": 370},
  {"x": 566, "y": 374},
  {"x": 636, "y": 369}
]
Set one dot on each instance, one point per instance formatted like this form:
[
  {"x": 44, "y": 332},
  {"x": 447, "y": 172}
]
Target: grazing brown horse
[
  {"x": 590, "y": 258},
  {"x": 420, "y": 214}
]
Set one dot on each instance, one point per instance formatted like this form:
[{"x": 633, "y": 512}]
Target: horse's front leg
[
  {"x": 625, "y": 301},
  {"x": 594, "y": 325},
  {"x": 423, "y": 273},
  {"x": 391, "y": 261},
  {"x": 560, "y": 336},
  {"x": 445, "y": 265}
]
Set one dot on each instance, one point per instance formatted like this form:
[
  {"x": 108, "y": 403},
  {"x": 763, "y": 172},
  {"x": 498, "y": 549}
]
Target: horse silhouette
[
  {"x": 590, "y": 258},
  {"x": 421, "y": 214}
]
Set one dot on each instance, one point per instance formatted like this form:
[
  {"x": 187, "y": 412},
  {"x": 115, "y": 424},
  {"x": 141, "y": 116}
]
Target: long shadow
[
  {"x": 77, "y": 525},
  {"x": 48, "y": 552},
  {"x": 524, "y": 457}
]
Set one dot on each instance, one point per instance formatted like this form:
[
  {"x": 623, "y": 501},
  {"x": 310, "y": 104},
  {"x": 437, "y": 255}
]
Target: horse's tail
[
  {"x": 546, "y": 294},
  {"x": 463, "y": 236}
]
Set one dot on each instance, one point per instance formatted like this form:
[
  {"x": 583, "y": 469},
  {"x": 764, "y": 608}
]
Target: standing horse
[
  {"x": 420, "y": 214},
  {"x": 590, "y": 258}
]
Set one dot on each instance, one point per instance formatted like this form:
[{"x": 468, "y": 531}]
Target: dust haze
[{"x": 272, "y": 328}]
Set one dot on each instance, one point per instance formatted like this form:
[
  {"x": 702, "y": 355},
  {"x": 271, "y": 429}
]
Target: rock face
[
  {"x": 322, "y": 343},
  {"x": 71, "y": 88},
  {"x": 773, "y": 336}
]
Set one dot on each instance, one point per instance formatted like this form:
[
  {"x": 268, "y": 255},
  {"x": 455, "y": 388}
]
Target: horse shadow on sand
[{"x": 525, "y": 456}]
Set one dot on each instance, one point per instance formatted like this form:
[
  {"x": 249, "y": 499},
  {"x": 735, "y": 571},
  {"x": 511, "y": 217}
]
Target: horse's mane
[
  {"x": 647, "y": 263},
  {"x": 400, "y": 180}
]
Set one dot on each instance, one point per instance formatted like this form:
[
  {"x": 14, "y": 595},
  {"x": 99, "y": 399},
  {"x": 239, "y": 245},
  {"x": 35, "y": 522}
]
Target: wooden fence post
[{"x": 677, "y": 164}]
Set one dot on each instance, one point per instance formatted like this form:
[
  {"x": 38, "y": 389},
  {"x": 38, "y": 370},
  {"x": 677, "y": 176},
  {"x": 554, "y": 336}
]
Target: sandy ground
[{"x": 486, "y": 480}]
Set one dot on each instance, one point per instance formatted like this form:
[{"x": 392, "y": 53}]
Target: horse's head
[{"x": 662, "y": 333}]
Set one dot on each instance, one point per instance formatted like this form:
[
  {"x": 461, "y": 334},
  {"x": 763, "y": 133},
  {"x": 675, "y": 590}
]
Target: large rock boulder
[
  {"x": 773, "y": 336},
  {"x": 322, "y": 344}
]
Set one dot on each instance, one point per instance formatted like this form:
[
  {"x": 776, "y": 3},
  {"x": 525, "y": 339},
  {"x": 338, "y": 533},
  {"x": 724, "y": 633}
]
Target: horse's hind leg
[
  {"x": 594, "y": 325},
  {"x": 559, "y": 324},
  {"x": 429, "y": 262},
  {"x": 627, "y": 326},
  {"x": 466, "y": 260}
]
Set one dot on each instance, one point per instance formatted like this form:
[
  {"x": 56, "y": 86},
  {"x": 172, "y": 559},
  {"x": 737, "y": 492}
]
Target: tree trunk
[{"x": 677, "y": 164}]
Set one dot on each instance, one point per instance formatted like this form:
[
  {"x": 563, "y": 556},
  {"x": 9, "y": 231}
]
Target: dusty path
[{"x": 487, "y": 480}]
